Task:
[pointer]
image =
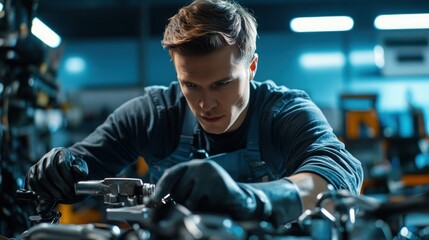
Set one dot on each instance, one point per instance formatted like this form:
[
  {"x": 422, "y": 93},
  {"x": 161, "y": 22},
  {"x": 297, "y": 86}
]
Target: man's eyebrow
[
  {"x": 183, "y": 80},
  {"x": 229, "y": 78},
  {"x": 220, "y": 80}
]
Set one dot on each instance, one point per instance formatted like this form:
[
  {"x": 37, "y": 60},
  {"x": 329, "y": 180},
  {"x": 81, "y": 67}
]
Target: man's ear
[
  {"x": 171, "y": 55},
  {"x": 253, "y": 66}
]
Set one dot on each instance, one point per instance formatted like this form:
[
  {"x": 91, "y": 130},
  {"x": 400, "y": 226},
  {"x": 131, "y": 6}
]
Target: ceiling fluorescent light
[
  {"x": 402, "y": 21},
  {"x": 45, "y": 34},
  {"x": 75, "y": 65},
  {"x": 362, "y": 57},
  {"x": 322, "y": 24},
  {"x": 322, "y": 60},
  {"x": 379, "y": 56}
]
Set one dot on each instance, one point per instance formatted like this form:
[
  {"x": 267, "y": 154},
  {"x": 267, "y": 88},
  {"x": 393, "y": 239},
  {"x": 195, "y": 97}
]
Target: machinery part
[
  {"x": 51, "y": 216},
  {"x": 67, "y": 232},
  {"x": 117, "y": 192}
]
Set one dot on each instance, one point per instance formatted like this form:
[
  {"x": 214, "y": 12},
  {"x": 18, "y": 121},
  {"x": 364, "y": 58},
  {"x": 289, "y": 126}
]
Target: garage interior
[{"x": 371, "y": 84}]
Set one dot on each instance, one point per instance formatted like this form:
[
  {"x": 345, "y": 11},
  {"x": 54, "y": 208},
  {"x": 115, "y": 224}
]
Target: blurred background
[{"x": 369, "y": 77}]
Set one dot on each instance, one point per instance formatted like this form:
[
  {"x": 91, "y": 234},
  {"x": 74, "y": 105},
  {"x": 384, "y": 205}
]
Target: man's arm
[
  {"x": 308, "y": 145},
  {"x": 309, "y": 186},
  {"x": 132, "y": 130}
]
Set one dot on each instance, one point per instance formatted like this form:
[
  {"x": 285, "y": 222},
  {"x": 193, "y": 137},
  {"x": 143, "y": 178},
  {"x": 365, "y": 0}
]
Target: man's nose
[{"x": 207, "y": 101}]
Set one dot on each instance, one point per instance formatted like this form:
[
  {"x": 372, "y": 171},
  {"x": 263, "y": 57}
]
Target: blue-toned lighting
[
  {"x": 402, "y": 21},
  {"x": 75, "y": 65},
  {"x": 1, "y": 6},
  {"x": 322, "y": 60},
  {"x": 406, "y": 233},
  {"x": 45, "y": 34},
  {"x": 51, "y": 119},
  {"x": 379, "y": 56},
  {"x": 322, "y": 24},
  {"x": 362, "y": 57}
]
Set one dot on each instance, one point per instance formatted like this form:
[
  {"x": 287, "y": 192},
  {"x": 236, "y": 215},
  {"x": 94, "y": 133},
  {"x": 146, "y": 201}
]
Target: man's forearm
[{"x": 309, "y": 185}]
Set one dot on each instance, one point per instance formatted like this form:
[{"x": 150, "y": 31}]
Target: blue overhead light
[
  {"x": 362, "y": 57},
  {"x": 75, "y": 65},
  {"x": 402, "y": 21},
  {"x": 322, "y": 24},
  {"x": 322, "y": 60},
  {"x": 1, "y": 6},
  {"x": 45, "y": 34},
  {"x": 379, "y": 56}
]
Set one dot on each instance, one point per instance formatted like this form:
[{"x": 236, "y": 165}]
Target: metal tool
[{"x": 117, "y": 192}]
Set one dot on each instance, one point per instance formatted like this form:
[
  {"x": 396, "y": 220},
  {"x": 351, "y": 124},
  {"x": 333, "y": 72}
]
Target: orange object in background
[
  {"x": 142, "y": 167},
  {"x": 362, "y": 124},
  {"x": 413, "y": 180},
  {"x": 360, "y": 116},
  {"x": 80, "y": 216}
]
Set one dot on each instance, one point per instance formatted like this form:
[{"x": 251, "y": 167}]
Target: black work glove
[
  {"x": 284, "y": 198},
  {"x": 204, "y": 186},
  {"x": 53, "y": 177}
]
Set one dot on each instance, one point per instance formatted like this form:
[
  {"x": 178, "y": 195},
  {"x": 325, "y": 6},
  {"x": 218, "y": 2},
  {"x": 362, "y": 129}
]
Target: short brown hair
[{"x": 207, "y": 25}]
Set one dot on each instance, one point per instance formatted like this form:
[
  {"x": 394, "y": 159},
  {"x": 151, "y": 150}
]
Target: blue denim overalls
[{"x": 244, "y": 165}]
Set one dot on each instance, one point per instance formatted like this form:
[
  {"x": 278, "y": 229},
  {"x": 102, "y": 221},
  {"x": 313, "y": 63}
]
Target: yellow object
[
  {"x": 142, "y": 167},
  {"x": 81, "y": 216},
  {"x": 415, "y": 180},
  {"x": 367, "y": 119}
]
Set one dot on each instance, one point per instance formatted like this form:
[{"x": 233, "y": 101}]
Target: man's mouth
[{"x": 211, "y": 119}]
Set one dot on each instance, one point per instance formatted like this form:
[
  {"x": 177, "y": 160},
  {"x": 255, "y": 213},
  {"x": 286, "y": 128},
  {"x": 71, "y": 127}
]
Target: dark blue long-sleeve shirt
[{"x": 294, "y": 135}]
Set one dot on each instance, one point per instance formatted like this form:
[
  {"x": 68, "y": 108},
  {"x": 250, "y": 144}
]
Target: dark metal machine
[{"x": 128, "y": 201}]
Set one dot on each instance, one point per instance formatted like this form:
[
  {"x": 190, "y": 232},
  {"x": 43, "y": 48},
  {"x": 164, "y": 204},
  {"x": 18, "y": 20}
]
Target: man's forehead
[
  {"x": 204, "y": 77},
  {"x": 225, "y": 54},
  {"x": 198, "y": 67}
]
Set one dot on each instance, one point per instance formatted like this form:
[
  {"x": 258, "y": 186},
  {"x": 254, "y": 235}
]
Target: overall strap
[
  {"x": 190, "y": 130},
  {"x": 260, "y": 168},
  {"x": 189, "y": 123},
  {"x": 183, "y": 149},
  {"x": 187, "y": 134}
]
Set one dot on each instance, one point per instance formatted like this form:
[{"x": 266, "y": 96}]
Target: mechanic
[{"x": 216, "y": 140}]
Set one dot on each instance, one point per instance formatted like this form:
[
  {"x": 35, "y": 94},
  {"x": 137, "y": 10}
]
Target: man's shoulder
[
  {"x": 160, "y": 95},
  {"x": 269, "y": 90},
  {"x": 171, "y": 91},
  {"x": 155, "y": 99}
]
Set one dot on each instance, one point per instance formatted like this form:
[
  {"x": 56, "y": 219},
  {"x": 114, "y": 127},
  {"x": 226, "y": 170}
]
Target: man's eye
[
  {"x": 222, "y": 83},
  {"x": 190, "y": 85}
]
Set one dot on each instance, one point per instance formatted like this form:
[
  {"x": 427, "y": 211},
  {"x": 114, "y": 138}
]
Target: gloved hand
[
  {"x": 52, "y": 178},
  {"x": 203, "y": 185},
  {"x": 284, "y": 197}
]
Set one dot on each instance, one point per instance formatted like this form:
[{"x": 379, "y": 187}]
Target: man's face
[{"x": 216, "y": 87}]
